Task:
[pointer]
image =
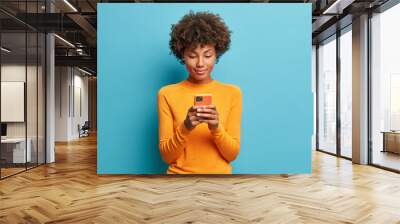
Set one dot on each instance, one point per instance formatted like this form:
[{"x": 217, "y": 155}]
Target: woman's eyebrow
[{"x": 195, "y": 52}]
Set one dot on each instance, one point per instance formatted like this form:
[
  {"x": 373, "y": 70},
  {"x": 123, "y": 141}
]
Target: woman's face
[{"x": 200, "y": 62}]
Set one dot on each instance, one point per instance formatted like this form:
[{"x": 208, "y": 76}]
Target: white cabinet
[{"x": 19, "y": 154}]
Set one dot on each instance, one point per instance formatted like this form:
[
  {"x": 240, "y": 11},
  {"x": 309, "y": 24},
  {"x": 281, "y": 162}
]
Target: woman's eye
[
  {"x": 208, "y": 56},
  {"x": 192, "y": 56}
]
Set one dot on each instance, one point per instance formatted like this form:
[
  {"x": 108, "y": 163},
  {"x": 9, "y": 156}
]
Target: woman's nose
[{"x": 200, "y": 62}]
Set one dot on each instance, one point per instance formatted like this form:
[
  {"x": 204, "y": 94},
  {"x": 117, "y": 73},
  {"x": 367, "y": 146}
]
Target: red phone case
[{"x": 202, "y": 99}]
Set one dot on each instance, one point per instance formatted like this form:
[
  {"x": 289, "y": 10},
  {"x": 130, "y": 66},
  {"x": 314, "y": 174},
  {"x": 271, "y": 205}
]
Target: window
[
  {"x": 327, "y": 95},
  {"x": 346, "y": 92},
  {"x": 385, "y": 88},
  {"x": 22, "y": 78}
]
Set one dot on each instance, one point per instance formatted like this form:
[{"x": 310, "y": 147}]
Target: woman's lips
[{"x": 200, "y": 72}]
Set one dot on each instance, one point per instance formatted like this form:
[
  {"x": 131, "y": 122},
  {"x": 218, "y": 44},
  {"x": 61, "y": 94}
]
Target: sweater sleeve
[
  {"x": 227, "y": 138},
  {"x": 171, "y": 142}
]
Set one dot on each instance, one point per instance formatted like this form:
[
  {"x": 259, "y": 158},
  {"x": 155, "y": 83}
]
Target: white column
[
  {"x": 50, "y": 100},
  {"x": 360, "y": 90},
  {"x": 50, "y": 93}
]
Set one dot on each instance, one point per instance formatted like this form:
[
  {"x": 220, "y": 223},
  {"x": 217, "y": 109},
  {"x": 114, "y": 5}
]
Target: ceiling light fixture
[
  {"x": 5, "y": 50},
  {"x": 79, "y": 51},
  {"x": 337, "y": 7},
  {"x": 71, "y": 6},
  {"x": 84, "y": 71},
  {"x": 64, "y": 40}
]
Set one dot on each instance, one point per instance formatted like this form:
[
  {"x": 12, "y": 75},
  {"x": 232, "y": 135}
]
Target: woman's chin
[{"x": 200, "y": 77}]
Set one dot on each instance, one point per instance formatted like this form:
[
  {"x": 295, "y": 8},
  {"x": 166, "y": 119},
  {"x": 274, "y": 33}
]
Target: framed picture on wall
[{"x": 12, "y": 101}]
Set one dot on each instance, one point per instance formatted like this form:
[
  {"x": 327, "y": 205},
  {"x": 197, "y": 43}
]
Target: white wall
[
  {"x": 9, "y": 73},
  {"x": 80, "y": 110},
  {"x": 71, "y": 94},
  {"x": 62, "y": 81}
]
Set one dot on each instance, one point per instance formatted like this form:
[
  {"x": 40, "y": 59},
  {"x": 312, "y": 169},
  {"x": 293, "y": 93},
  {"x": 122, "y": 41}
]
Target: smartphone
[{"x": 202, "y": 99}]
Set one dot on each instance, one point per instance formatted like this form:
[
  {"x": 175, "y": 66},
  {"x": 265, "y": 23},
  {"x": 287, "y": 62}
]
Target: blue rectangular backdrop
[{"x": 269, "y": 59}]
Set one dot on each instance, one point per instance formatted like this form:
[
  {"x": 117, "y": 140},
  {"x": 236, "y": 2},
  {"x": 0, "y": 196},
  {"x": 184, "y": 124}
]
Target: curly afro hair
[{"x": 199, "y": 28}]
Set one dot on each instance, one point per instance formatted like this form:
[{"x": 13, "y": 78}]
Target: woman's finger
[
  {"x": 192, "y": 113},
  {"x": 211, "y": 106},
  {"x": 195, "y": 123},
  {"x": 209, "y": 116},
  {"x": 192, "y": 109},
  {"x": 211, "y": 111}
]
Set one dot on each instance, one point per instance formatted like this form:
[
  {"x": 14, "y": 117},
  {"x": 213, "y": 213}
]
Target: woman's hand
[
  {"x": 191, "y": 120},
  {"x": 209, "y": 115}
]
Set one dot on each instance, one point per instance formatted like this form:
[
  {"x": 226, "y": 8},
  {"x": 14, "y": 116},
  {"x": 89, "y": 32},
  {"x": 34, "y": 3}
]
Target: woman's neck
[{"x": 205, "y": 81}]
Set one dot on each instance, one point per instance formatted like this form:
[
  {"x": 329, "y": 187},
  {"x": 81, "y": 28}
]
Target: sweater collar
[{"x": 196, "y": 86}]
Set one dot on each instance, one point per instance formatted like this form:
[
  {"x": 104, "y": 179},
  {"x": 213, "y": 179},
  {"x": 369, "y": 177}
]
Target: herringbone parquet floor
[{"x": 70, "y": 191}]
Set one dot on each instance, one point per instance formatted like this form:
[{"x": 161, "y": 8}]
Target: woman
[{"x": 199, "y": 139}]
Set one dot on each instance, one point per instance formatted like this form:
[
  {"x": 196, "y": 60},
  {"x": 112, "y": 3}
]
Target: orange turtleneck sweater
[{"x": 200, "y": 150}]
